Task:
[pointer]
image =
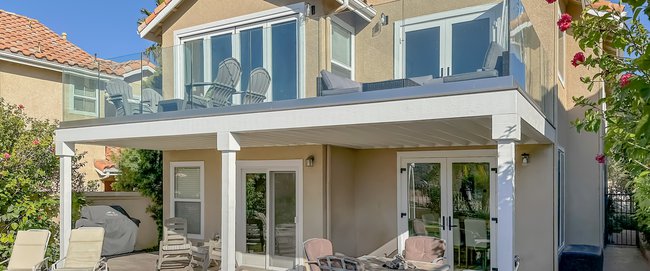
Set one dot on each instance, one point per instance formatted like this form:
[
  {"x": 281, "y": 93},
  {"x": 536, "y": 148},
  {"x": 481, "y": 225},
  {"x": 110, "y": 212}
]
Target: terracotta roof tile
[{"x": 29, "y": 37}]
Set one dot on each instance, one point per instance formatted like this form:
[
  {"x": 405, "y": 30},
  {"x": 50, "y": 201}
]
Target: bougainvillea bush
[
  {"x": 29, "y": 177},
  {"x": 614, "y": 45}
]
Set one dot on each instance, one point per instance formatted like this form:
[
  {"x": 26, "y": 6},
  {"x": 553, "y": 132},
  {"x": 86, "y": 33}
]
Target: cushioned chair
[
  {"x": 28, "y": 252},
  {"x": 424, "y": 249},
  {"x": 491, "y": 63},
  {"x": 319, "y": 252},
  {"x": 332, "y": 84}
]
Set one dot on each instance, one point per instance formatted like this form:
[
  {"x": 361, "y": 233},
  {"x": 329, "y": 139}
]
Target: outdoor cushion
[
  {"x": 422, "y": 80},
  {"x": 177, "y": 247},
  {"x": 424, "y": 248},
  {"x": 333, "y": 81}
]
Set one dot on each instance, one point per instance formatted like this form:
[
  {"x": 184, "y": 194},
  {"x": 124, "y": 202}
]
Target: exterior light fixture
[
  {"x": 309, "y": 161},
  {"x": 384, "y": 19},
  {"x": 525, "y": 158}
]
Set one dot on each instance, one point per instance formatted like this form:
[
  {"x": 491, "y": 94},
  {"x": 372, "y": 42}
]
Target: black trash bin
[{"x": 581, "y": 258}]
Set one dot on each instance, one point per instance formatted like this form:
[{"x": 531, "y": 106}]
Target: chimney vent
[{"x": 64, "y": 35}]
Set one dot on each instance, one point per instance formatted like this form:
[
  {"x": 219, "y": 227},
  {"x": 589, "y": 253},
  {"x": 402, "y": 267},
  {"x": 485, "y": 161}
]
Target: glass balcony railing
[{"x": 390, "y": 45}]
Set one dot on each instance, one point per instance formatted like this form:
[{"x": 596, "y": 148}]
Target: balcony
[{"x": 308, "y": 60}]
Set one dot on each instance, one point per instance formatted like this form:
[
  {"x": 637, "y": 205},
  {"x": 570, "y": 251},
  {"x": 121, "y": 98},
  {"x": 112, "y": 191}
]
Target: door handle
[
  {"x": 451, "y": 225},
  {"x": 402, "y": 215},
  {"x": 443, "y": 223},
  {"x": 448, "y": 71}
]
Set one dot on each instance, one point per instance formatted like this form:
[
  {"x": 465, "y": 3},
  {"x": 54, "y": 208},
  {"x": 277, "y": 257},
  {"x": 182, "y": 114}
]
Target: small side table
[{"x": 171, "y": 105}]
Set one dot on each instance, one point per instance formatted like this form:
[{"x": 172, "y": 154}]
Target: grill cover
[{"x": 120, "y": 232}]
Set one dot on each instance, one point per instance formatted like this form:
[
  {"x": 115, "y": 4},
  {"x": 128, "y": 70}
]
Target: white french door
[
  {"x": 445, "y": 43},
  {"x": 269, "y": 230},
  {"x": 452, "y": 199}
]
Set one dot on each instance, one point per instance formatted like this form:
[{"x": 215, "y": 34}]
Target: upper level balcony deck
[{"x": 405, "y": 49}]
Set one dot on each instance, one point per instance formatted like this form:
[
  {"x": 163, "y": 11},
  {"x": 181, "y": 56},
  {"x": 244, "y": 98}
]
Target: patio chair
[
  {"x": 424, "y": 249},
  {"x": 28, "y": 252},
  {"x": 257, "y": 87},
  {"x": 84, "y": 251},
  {"x": 174, "y": 247},
  {"x": 332, "y": 84},
  {"x": 319, "y": 252},
  {"x": 120, "y": 95},
  {"x": 491, "y": 63},
  {"x": 150, "y": 100},
  {"x": 419, "y": 228},
  {"x": 220, "y": 90}
]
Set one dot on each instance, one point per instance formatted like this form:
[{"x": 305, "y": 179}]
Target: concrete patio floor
[
  {"x": 618, "y": 258},
  {"x": 147, "y": 261}
]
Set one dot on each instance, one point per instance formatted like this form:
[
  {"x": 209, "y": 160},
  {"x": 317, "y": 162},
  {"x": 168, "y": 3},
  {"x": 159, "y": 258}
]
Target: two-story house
[{"x": 364, "y": 122}]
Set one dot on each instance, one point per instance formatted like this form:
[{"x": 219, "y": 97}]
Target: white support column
[
  {"x": 506, "y": 130},
  {"x": 228, "y": 145},
  {"x": 65, "y": 151}
]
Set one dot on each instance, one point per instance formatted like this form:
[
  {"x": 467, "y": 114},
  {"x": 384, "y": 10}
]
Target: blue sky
[{"x": 105, "y": 27}]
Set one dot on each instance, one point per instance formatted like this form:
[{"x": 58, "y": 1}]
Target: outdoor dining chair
[{"x": 28, "y": 252}]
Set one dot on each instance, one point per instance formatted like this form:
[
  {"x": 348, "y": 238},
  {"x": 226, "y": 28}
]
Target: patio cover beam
[
  {"x": 228, "y": 145},
  {"x": 65, "y": 151}
]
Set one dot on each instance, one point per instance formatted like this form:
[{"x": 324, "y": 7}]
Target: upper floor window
[
  {"x": 342, "y": 48},
  {"x": 84, "y": 94},
  {"x": 272, "y": 45}
]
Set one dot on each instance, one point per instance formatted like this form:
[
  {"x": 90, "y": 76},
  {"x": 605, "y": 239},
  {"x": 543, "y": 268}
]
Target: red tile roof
[
  {"x": 29, "y": 37},
  {"x": 153, "y": 15}
]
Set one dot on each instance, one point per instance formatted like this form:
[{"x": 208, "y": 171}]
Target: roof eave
[
  {"x": 151, "y": 25},
  {"x": 359, "y": 7}
]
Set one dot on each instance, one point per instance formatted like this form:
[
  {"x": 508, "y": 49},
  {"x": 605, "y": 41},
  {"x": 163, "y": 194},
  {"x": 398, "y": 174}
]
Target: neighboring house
[
  {"x": 32, "y": 58},
  {"x": 460, "y": 130}
]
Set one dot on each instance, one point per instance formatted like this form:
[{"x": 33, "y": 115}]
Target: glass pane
[
  {"x": 187, "y": 183},
  {"x": 221, "y": 48},
  {"x": 424, "y": 199},
  {"x": 471, "y": 206},
  {"x": 284, "y": 68},
  {"x": 423, "y": 52},
  {"x": 283, "y": 214},
  {"x": 191, "y": 211},
  {"x": 83, "y": 104},
  {"x": 341, "y": 45},
  {"x": 256, "y": 213},
  {"x": 469, "y": 44},
  {"x": 251, "y": 46},
  {"x": 341, "y": 71},
  {"x": 194, "y": 64}
]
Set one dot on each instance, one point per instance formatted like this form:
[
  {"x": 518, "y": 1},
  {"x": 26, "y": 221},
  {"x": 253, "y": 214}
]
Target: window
[
  {"x": 561, "y": 51},
  {"x": 342, "y": 49},
  {"x": 272, "y": 45},
  {"x": 187, "y": 195},
  {"x": 84, "y": 94},
  {"x": 561, "y": 169}
]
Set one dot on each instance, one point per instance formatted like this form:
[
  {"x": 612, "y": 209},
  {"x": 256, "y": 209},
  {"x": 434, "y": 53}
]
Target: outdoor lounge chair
[
  {"x": 220, "y": 91},
  {"x": 319, "y": 252},
  {"x": 491, "y": 63},
  {"x": 257, "y": 87},
  {"x": 424, "y": 249},
  {"x": 150, "y": 99},
  {"x": 120, "y": 95},
  {"x": 174, "y": 247},
  {"x": 28, "y": 252},
  {"x": 332, "y": 84},
  {"x": 84, "y": 251}
]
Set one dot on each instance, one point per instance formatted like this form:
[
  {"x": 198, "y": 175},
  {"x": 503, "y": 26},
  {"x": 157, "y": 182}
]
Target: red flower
[
  {"x": 20, "y": 106},
  {"x": 564, "y": 22},
  {"x": 36, "y": 142},
  {"x": 578, "y": 59},
  {"x": 600, "y": 158},
  {"x": 625, "y": 79},
  {"x": 6, "y": 156},
  {"x": 550, "y": 1}
]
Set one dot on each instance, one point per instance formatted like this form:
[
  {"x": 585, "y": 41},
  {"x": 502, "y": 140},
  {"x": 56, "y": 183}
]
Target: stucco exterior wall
[
  {"x": 313, "y": 183},
  {"x": 41, "y": 92}
]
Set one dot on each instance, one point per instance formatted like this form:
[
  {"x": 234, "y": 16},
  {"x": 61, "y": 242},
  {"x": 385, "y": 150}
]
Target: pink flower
[
  {"x": 21, "y": 107},
  {"x": 564, "y": 22},
  {"x": 6, "y": 156},
  {"x": 625, "y": 79},
  {"x": 36, "y": 142},
  {"x": 578, "y": 59},
  {"x": 600, "y": 158},
  {"x": 550, "y": 1}
]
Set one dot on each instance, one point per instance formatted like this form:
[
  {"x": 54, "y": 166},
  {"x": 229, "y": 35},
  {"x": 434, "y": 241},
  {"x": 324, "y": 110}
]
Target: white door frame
[
  {"x": 267, "y": 166},
  {"x": 446, "y": 158}
]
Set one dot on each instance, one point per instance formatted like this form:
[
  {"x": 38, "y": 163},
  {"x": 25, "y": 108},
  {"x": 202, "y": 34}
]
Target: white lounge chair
[
  {"x": 174, "y": 247},
  {"x": 28, "y": 252},
  {"x": 84, "y": 251}
]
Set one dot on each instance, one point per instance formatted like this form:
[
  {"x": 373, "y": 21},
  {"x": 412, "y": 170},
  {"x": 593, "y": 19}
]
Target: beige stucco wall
[
  {"x": 41, "y": 92},
  {"x": 135, "y": 205},
  {"x": 313, "y": 183}
]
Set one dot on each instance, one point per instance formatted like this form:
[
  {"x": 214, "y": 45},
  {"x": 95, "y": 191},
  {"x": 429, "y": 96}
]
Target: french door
[
  {"x": 445, "y": 44},
  {"x": 268, "y": 230},
  {"x": 451, "y": 199}
]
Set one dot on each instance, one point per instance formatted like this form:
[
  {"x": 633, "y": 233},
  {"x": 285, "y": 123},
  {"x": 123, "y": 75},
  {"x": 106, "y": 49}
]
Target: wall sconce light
[
  {"x": 309, "y": 162},
  {"x": 383, "y": 19},
  {"x": 525, "y": 158},
  {"x": 311, "y": 9}
]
